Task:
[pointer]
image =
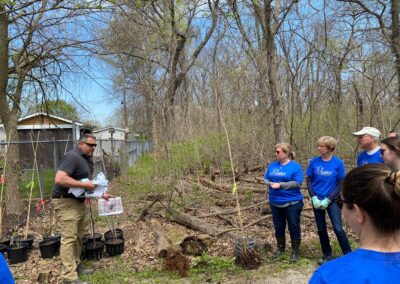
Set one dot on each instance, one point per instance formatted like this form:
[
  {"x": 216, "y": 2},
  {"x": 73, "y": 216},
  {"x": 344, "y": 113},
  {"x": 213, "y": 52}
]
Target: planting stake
[
  {"x": 32, "y": 183},
  {"x": 91, "y": 221}
]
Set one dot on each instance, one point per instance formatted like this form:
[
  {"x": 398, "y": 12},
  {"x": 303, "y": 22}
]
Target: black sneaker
[
  {"x": 325, "y": 259},
  {"x": 83, "y": 270}
]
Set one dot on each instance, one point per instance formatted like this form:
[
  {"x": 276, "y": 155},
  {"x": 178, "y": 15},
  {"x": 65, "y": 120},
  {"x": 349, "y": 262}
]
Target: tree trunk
[
  {"x": 272, "y": 69},
  {"x": 395, "y": 10},
  {"x": 13, "y": 201}
]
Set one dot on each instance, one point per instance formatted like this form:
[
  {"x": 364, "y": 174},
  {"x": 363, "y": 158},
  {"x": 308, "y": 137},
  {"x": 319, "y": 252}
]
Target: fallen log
[
  {"x": 201, "y": 226},
  {"x": 256, "y": 180},
  {"x": 232, "y": 211},
  {"x": 163, "y": 243},
  {"x": 214, "y": 185},
  {"x": 257, "y": 221},
  {"x": 194, "y": 223}
]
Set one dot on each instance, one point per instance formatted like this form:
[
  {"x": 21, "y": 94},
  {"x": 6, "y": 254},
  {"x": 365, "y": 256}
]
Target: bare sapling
[
  {"x": 31, "y": 185},
  {"x": 246, "y": 254}
]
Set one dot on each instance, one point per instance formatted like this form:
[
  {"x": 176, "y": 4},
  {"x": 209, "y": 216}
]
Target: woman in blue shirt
[
  {"x": 324, "y": 176},
  {"x": 371, "y": 207},
  {"x": 283, "y": 178}
]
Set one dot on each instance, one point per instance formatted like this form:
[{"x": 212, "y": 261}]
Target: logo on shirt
[
  {"x": 320, "y": 171},
  {"x": 276, "y": 172}
]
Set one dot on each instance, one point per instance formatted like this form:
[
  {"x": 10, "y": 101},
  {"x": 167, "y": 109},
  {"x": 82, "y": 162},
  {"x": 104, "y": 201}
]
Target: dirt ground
[{"x": 196, "y": 199}]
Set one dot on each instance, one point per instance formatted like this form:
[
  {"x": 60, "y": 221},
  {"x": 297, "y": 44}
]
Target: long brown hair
[{"x": 376, "y": 189}]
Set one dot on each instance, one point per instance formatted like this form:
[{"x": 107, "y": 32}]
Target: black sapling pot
[
  {"x": 117, "y": 233},
  {"x": 49, "y": 247},
  {"x": 94, "y": 250},
  {"x": 3, "y": 249},
  {"x": 89, "y": 238},
  {"x": 115, "y": 246},
  {"x": 5, "y": 241},
  {"x": 17, "y": 254},
  {"x": 55, "y": 237},
  {"x": 27, "y": 242}
]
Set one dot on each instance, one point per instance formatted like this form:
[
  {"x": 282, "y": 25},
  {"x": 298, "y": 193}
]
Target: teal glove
[
  {"x": 316, "y": 202},
  {"x": 325, "y": 203}
]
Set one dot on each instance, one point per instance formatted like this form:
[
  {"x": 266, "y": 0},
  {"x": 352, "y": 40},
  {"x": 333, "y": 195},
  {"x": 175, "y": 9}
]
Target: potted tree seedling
[
  {"x": 50, "y": 245},
  {"x": 4, "y": 240},
  {"x": 27, "y": 239},
  {"x": 246, "y": 254},
  {"x": 114, "y": 239},
  {"x": 93, "y": 246}
]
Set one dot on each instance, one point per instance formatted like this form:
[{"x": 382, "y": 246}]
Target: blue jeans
[
  {"x": 335, "y": 214},
  {"x": 289, "y": 214}
]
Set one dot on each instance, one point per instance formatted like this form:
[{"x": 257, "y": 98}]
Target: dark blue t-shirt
[
  {"x": 325, "y": 175},
  {"x": 5, "y": 273},
  {"x": 360, "y": 266},
  {"x": 276, "y": 172},
  {"x": 363, "y": 158}
]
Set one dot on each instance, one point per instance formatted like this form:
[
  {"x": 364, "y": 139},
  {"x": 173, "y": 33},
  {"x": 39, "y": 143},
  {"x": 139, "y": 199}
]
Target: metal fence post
[
  {"x": 54, "y": 154},
  {"x": 41, "y": 180}
]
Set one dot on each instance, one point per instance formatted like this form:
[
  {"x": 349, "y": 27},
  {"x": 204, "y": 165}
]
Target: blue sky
[{"x": 91, "y": 88}]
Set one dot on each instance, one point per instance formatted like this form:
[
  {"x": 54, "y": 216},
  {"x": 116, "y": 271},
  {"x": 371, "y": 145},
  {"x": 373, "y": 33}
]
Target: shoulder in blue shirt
[
  {"x": 363, "y": 158},
  {"x": 360, "y": 266}
]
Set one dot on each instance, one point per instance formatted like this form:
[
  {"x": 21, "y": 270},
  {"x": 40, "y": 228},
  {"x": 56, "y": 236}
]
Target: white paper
[
  {"x": 97, "y": 192},
  {"x": 101, "y": 187},
  {"x": 112, "y": 206},
  {"x": 77, "y": 192}
]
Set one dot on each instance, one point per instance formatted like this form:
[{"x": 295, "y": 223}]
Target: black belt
[{"x": 57, "y": 196}]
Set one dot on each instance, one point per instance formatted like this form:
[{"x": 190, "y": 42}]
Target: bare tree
[
  {"x": 37, "y": 39},
  {"x": 390, "y": 29}
]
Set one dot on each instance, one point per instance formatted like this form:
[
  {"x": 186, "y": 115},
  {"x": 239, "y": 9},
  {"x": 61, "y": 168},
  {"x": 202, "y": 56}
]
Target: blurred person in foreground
[
  {"x": 368, "y": 140},
  {"x": 5, "y": 273},
  {"x": 394, "y": 133},
  {"x": 371, "y": 207},
  {"x": 325, "y": 174},
  {"x": 390, "y": 150},
  {"x": 283, "y": 178}
]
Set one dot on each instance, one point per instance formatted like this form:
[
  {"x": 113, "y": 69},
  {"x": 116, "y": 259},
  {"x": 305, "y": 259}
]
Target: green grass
[
  {"x": 48, "y": 182},
  {"x": 207, "y": 267}
]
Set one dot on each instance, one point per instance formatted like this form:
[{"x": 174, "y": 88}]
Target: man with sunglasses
[
  {"x": 368, "y": 138},
  {"x": 75, "y": 170}
]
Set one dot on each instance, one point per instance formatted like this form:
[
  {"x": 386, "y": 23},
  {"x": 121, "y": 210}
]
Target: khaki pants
[{"x": 71, "y": 215}]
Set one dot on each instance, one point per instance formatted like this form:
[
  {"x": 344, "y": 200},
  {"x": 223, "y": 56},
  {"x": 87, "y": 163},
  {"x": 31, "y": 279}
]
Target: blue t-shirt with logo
[
  {"x": 360, "y": 266},
  {"x": 363, "y": 158},
  {"x": 325, "y": 175},
  {"x": 276, "y": 172},
  {"x": 5, "y": 273}
]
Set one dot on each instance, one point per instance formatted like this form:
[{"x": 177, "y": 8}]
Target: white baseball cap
[{"x": 368, "y": 130}]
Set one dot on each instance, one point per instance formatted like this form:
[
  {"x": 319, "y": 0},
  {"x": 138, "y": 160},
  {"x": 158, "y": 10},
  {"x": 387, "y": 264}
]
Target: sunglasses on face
[
  {"x": 382, "y": 151},
  {"x": 90, "y": 145}
]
